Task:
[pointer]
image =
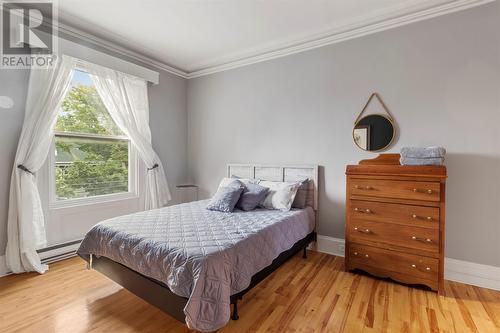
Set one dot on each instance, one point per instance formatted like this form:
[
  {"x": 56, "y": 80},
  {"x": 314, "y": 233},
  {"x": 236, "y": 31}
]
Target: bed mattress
[{"x": 202, "y": 255}]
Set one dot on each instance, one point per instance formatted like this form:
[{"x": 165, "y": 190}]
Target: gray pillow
[
  {"x": 252, "y": 196},
  {"x": 226, "y": 197},
  {"x": 300, "y": 200}
]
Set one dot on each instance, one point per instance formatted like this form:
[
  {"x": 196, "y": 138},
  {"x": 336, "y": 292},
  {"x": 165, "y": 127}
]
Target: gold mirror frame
[
  {"x": 380, "y": 115},
  {"x": 388, "y": 117}
]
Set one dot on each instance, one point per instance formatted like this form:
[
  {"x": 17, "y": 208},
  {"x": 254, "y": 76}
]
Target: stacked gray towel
[{"x": 422, "y": 156}]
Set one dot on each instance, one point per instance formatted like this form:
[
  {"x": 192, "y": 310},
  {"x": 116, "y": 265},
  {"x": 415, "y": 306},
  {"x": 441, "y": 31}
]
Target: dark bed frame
[{"x": 159, "y": 295}]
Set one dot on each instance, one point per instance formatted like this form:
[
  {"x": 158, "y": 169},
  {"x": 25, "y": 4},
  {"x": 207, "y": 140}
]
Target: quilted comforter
[{"x": 202, "y": 255}]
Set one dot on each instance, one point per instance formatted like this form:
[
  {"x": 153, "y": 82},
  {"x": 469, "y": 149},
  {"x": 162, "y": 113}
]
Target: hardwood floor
[{"x": 312, "y": 295}]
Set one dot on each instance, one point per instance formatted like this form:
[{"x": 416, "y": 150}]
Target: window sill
[{"x": 97, "y": 200}]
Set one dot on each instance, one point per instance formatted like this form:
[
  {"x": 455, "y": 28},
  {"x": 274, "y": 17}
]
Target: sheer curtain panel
[
  {"x": 126, "y": 98},
  {"x": 26, "y": 225}
]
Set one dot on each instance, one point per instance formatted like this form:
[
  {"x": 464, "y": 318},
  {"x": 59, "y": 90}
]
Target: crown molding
[
  {"x": 341, "y": 34},
  {"x": 109, "y": 45},
  {"x": 362, "y": 28},
  {"x": 113, "y": 47}
]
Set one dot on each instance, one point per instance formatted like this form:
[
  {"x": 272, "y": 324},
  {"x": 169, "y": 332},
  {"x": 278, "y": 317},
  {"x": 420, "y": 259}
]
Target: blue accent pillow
[
  {"x": 252, "y": 196},
  {"x": 226, "y": 197}
]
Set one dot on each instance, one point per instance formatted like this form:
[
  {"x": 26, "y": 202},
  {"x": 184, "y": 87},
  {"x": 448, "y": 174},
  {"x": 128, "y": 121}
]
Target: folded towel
[
  {"x": 421, "y": 161},
  {"x": 429, "y": 152}
]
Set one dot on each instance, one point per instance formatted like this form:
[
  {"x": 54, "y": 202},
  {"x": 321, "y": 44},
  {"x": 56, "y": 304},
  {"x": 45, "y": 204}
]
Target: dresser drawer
[
  {"x": 381, "y": 234},
  {"x": 402, "y": 263},
  {"x": 398, "y": 189},
  {"x": 419, "y": 216}
]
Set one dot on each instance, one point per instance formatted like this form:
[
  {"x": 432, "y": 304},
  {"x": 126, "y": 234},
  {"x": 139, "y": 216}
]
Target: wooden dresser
[{"x": 395, "y": 220}]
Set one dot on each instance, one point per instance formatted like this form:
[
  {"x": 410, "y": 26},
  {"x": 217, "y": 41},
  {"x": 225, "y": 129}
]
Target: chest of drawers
[{"x": 395, "y": 222}]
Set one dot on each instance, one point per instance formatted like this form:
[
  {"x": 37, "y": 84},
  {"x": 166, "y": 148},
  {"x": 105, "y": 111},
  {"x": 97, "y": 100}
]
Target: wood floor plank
[{"x": 304, "y": 295}]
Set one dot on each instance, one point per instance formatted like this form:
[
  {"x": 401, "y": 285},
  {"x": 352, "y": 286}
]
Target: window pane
[
  {"x": 91, "y": 159},
  {"x": 82, "y": 110},
  {"x": 87, "y": 167}
]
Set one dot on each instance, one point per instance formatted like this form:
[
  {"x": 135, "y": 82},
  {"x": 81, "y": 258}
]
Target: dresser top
[
  {"x": 388, "y": 165},
  {"x": 398, "y": 170}
]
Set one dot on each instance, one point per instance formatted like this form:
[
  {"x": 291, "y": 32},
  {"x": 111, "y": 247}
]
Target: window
[{"x": 92, "y": 156}]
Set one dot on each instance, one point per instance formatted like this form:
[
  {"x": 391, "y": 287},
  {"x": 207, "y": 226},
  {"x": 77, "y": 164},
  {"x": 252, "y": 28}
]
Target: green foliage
[
  {"x": 89, "y": 167},
  {"x": 84, "y": 112}
]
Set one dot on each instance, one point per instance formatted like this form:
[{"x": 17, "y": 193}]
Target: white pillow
[
  {"x": 226, "y": 181},
  {"x": 280, "y": 195}
]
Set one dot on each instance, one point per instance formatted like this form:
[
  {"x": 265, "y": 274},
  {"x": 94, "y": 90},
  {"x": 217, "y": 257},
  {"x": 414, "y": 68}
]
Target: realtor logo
[{"x": 28, "y": 38}]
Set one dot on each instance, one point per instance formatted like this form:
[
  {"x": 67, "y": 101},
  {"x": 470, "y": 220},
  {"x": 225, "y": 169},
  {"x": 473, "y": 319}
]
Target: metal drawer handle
[
  {"x": 426, "y": 268},
  {"x": 417, "y": 190},
  {"x": 415, "y": 216},
  {"x": 365, "y": 231},
  {"x": 368, "y": 187},
  {"x": 427, "y": 240},
  {"x": 367, "y": 211},
  {"x": 364, "y": 255}
]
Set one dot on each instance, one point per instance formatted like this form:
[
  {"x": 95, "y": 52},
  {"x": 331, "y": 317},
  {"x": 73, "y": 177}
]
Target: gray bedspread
[{"x": 202, "y": 255}]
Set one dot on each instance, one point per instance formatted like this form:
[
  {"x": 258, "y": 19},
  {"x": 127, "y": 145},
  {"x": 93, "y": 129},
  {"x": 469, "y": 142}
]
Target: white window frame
[{"x": 133, "y": 174}]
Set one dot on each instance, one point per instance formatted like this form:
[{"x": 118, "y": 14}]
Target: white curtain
[
  {"x": 26, "y": 225},
  {"x": 126, "y": 98}
]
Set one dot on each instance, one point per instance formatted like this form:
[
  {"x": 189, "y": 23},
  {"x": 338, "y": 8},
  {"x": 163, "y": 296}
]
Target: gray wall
[
  {"x": 440, "y": 79},
  {"x": 168, "y": 122},
  {"x": 168, "y": 119},
  {"x": 13, "y": 84}
]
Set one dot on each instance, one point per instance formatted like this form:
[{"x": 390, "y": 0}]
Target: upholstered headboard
[{"x": 281, "y": 173}]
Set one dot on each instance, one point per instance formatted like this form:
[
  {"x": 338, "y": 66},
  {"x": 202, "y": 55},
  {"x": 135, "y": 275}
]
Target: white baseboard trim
[
  {"x": 471, "y": 273},
  {"x": 454, "y": 270},
  {"x": 331, "y": 245}
]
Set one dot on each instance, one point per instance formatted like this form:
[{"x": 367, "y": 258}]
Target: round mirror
[{"x": 374, "y": 132}]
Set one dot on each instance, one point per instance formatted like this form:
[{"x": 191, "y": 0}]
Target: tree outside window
[{"x": 91, "y": 153}]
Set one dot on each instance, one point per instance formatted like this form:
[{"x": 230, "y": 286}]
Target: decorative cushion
[
  {"x": 300, "y": 200},
  {"x": 252, "y": 196},
  {"x": 280, "y": 195},
  {"x": 226, "y": 197}
]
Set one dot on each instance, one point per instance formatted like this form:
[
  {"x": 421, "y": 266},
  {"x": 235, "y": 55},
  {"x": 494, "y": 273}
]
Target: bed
[{"x": 194, "y": 263}]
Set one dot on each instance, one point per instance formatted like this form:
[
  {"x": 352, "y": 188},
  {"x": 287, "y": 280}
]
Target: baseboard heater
[{"x": 59, "y": 252}]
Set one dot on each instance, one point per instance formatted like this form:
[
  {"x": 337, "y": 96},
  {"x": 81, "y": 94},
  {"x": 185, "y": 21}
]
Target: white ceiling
[{"x": 195, "y": 35}]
